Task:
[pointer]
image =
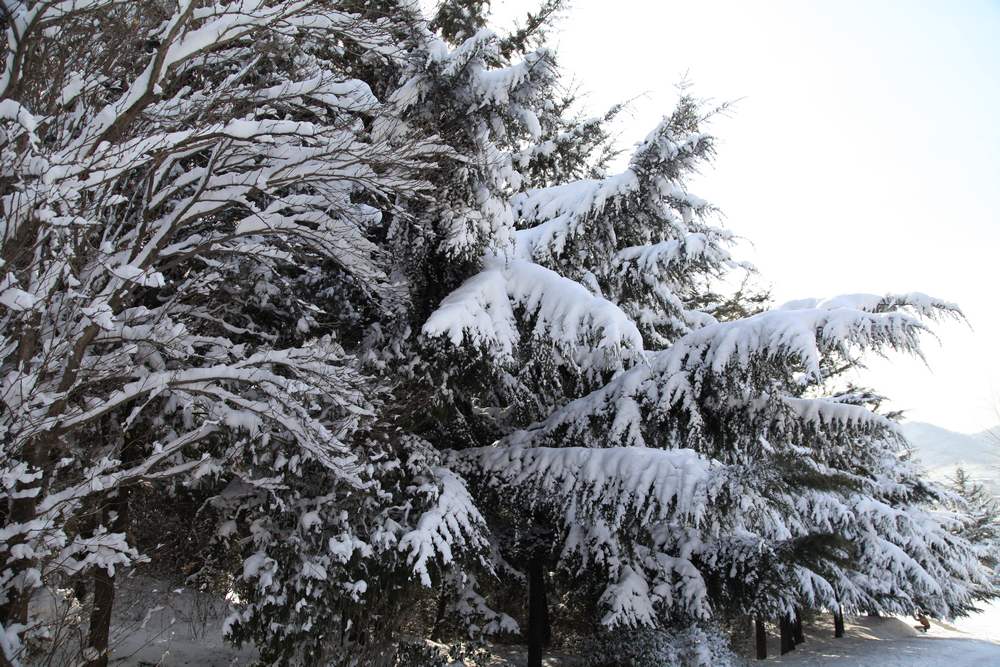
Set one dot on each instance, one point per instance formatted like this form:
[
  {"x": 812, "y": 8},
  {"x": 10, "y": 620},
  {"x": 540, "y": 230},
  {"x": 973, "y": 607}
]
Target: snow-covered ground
[
  {"x": 154, "y": 624},
  {"x": 895, "y": 642},
  {"x": 985, "y": 625},
  {"x": 172, "y": 627},
  {"x": 870, "y": 642},
  {"x": 157, "y": 624}
]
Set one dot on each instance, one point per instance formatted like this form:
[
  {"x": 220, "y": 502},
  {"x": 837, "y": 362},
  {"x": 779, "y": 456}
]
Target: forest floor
[
  {"x": 896, "y": 642},
  {"x": 875, "y": 642},
  {"x": 183, "y": 628},
  {"x": 869, "y": 642}
]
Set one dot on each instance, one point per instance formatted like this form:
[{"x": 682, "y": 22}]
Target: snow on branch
[
  {"x": 913, "y": 302},
  {"x": 600, "y": 214},
  {"x": 628, "y": 601},
  {"x": 601, "y": 494},
  {"x": 482, "y": 312},
  {"x": 657, "y": 261},
  {"x": 556, "y": 215},
  {"x": 478, "y": 311},
  {"x": 453, "y": 525},
  {"x": 802, "y": 335},
  {"x": 616, "y": 482},
  {"x": 790, "y": 339}
]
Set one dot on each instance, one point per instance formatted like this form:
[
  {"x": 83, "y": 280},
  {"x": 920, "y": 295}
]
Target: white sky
[{"x": 862, "y": 155}]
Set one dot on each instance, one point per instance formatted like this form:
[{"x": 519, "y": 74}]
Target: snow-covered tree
[
  {"x": 980, "y": 523},
  {"x": 180, "y": 181},
  {"x": 614, "y": 422},
  {"x": 368, "y": 281},
  {"x": 687, "y": 461}
]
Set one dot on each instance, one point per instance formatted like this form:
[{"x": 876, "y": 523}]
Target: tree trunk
[
  {"x": 38, "y": 452},
  {"x": 838, "y": 621},
  {"x": 442, "y": 607},
  {"x": 15, "y": 610},
  {"x": 100, "y": 617},
  {"x": 116, "y": 517},
  {"x": 787, "y": 643},
  {"x": 760, "y": 637},
  {"x": 539, "y": 630},
  {"x": 22, "y": 511},
  {"x": 797, "y": 635}
]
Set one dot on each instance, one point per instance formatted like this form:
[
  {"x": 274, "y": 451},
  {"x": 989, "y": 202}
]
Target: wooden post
[
  {"x": 760, "y": 637},
  {"x": 838, "y": 621}
]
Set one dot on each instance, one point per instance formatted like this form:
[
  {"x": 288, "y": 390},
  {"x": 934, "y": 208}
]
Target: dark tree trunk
[
  {"x": 546, "y": 620},
  {"x": 15, "y": 610},
  {"x": 539, "y": 631},
  {"x": 797, "y": 635},
  {"x": 22, "y": 509},
  {"x": 104, "y": 583},
  {"x": 838, "y": 621},
  {"x": 442, "y": 607},
  {"x": 787, "y": 642},
  {"x": 38, "y": 451},
  {"x": 760, "y": 637},
  {"x": 100, "y": 617},
  {"x": 80, "y": 589}
]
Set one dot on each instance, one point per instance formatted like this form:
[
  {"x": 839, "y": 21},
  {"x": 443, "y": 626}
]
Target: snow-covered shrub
[
  {"x": 431, "y": 654},
  {"x": 691, "y": 645},
  {"x": 350, "y": 560}
]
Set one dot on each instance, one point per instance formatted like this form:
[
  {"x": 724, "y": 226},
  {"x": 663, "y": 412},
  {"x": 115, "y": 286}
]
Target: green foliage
[{"x": 685, "y": 645}]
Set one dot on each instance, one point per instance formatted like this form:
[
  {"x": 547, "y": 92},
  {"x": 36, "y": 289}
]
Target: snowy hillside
[{"x": 941, "y": 451}]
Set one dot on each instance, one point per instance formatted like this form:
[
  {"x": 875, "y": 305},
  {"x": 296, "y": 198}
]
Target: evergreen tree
[
  {"x": 366, "y": 281},
  {"x": 980, "y": 523},
  {"x": 687, "y": 462}
]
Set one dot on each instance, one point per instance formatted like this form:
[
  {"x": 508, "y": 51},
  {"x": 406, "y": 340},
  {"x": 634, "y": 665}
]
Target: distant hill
[{"x": 941, "y": 451}]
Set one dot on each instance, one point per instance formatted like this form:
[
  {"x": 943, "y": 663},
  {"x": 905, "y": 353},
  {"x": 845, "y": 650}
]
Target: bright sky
[{"x": 863, "y": 154}]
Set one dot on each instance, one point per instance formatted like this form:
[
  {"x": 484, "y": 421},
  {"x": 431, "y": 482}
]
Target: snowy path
[
  {"x": 894, "y": 642},
  {"x": 914, "y": 652}
]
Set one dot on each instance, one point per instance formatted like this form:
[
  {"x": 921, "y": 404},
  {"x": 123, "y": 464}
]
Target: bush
[{"x": 697, "y": 645}]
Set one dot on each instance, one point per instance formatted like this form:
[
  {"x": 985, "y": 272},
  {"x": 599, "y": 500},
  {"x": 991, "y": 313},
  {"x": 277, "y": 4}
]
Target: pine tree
[
  {"x": 367, "y": 282},
  {"x": 980, "y": 524},
  {"x": 681, "y": 459}
]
